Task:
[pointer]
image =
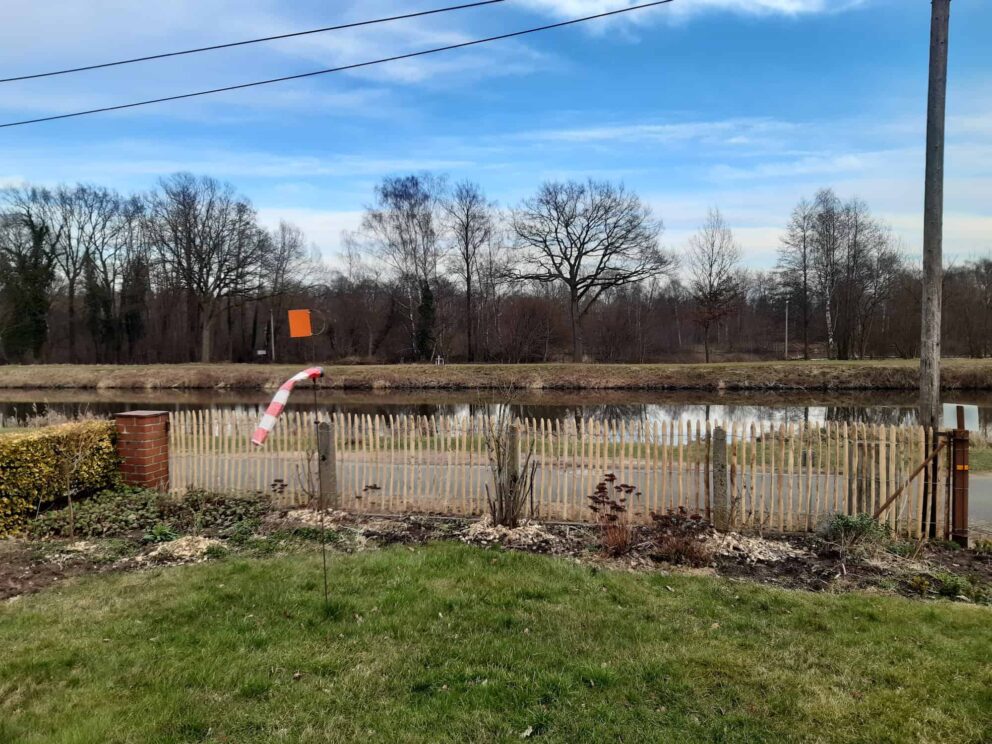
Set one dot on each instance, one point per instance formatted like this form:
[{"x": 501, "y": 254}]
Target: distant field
[{"x": 971, "y": 374}]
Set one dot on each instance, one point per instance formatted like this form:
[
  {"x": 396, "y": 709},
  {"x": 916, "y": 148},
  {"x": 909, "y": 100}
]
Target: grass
[
  {"x": 975, "y": 374},
  {"x": 452, "y": 643},
  {"x": 980, "y": 457}
]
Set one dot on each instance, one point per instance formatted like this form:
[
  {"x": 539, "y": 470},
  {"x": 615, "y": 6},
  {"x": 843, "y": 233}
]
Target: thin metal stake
[{"x": 320, "y": 498}]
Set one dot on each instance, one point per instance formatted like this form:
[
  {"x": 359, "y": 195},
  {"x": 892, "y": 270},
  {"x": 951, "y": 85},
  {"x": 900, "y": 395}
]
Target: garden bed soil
[
  {"x": 792, "y": 562},
  {"x": 28, "y": 566}
]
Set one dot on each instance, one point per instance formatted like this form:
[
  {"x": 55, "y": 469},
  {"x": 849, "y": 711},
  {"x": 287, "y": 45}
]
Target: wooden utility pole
[{"x": 933, "y": 218}]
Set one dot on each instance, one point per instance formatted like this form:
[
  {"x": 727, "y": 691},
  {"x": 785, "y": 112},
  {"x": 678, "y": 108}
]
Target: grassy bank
[
  {"x": 451, "y": 643},
  {"x": 971, "y": 374}
]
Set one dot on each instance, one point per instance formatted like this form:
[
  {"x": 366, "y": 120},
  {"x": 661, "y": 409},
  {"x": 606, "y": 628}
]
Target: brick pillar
[{"x": 143, "y": 445}]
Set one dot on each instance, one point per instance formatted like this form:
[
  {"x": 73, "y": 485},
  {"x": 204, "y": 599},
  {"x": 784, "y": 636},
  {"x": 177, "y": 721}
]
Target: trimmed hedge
[{"x": 34, "y": 464}]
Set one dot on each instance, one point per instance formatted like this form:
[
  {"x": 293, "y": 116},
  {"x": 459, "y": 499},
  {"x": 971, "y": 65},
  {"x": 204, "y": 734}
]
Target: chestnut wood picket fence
[{"x": 783, "y": 477}]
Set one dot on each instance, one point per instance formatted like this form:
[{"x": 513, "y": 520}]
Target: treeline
[{"x": 577, "y": 271}]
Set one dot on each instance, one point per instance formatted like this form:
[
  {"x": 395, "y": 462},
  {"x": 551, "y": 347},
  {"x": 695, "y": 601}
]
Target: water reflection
[{"x": 613, "y": 406}]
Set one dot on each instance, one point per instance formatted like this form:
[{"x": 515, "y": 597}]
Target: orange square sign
[{"x": 299, "y": 324}]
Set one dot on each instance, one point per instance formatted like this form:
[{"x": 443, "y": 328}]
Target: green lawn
[
  {"x": 451, "y": 643},
  {"x": 980, "y": 457}
]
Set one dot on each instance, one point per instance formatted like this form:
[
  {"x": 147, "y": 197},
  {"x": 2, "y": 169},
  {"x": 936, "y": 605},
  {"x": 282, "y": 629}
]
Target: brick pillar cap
[{"x": 143, "y": 414}]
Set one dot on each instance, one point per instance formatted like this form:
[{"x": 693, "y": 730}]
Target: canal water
[{"x": 18, "y": 406}]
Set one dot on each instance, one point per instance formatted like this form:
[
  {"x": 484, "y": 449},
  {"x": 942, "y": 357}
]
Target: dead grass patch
[{"x": 973, "y": 374}]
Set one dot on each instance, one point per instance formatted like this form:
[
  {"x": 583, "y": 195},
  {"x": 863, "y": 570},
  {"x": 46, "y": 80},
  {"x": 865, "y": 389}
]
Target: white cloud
[
  {"x": 823, "y": 165},
  {"x": 235, "y": 108},
  {"x": 323, "y": 228},
  {"x": 577, "y": 8},
  {"x": 744, "y": 136},
  {"x": 332, "y": 50},
  {"x": 151, "y": 159},
  {"x": 104, "y": 30}
]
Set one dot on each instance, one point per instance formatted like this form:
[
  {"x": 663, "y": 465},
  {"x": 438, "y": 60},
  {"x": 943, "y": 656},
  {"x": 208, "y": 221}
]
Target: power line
[
  {"x": 164, "y": 55},
  {"x": 343, "y": 68}
]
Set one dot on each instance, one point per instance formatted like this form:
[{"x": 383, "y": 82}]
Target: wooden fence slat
[
  {"x": 921, "y": 505},
  {"x": 819, "y": 451},
  {"x": 652, "y": 465},
  {"x": 558, "y": 457},
  {"x": 752, "y": 475},
  {"x": 690, "y": 465},
  {"x": 882, "y": 469},
  {"x": 803, "y": 467},
  {"x": 832, "y": 465},
  {"x": 177, "y": 477},
  {"x": 896, "y": 452},
  {"x": 778, "y": 451},
  {"x": 194, "y": 442},
  {"x": 573, "y": 483},
  {"x": 227, "y": 431},
  {"x": 788, "y": 476},
  {"x": 765, "y": 480},
  {"x": 665, "y": 490},
  {"x": 174, "y": 476}
]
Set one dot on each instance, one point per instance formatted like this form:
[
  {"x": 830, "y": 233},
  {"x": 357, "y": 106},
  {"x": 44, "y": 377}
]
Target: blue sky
[{"x": 742, "y": 104}]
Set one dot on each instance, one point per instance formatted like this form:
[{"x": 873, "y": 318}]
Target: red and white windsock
[{"x": 279, "y": 400}]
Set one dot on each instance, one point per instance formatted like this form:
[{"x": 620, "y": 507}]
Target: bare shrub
[
  {"x": 74, "y": 455},
  {"x": 513, "y": 476},
  {"x": 681, "y": 538},
  {"x": 609, "y": 504}
]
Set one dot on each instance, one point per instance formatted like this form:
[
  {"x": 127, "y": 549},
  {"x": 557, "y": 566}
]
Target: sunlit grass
[{"x": 451, "y": 643}]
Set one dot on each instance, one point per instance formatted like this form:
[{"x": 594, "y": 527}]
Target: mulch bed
[{"x": 795, "y": 562}]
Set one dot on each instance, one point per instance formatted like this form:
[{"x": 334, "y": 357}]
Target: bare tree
[
  {"x": 795, "y": 262},
  {"x": 714, "y": 273},
  {"x": 869, "y": 266},
  {"x": 855, "y": 268},
  {"x": 285, "y": 261},
  {"x": 828, "y": 257},
  {"x": 285, "y": 266},
  {"x": 115, "y": 253},
  {"x": 206, "y": 241},
  {"x": 590, "y": 237},
  {"x": 361, "y": 286},
  {"x": 403, "y": 228},
  {"x": 469, "y": 219},
  {"x": 88, "y": 221},
  {"x": 493, "y": 267}
]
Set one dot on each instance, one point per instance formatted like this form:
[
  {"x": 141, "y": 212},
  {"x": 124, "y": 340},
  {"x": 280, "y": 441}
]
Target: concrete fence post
[
  {"x": 143, "y": 446},
  {"x": 721, "y": 493},
  {"x": 327, "y": 465}
]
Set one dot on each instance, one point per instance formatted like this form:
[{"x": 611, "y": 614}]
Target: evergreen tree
[{"x": 26, "y": 277}]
